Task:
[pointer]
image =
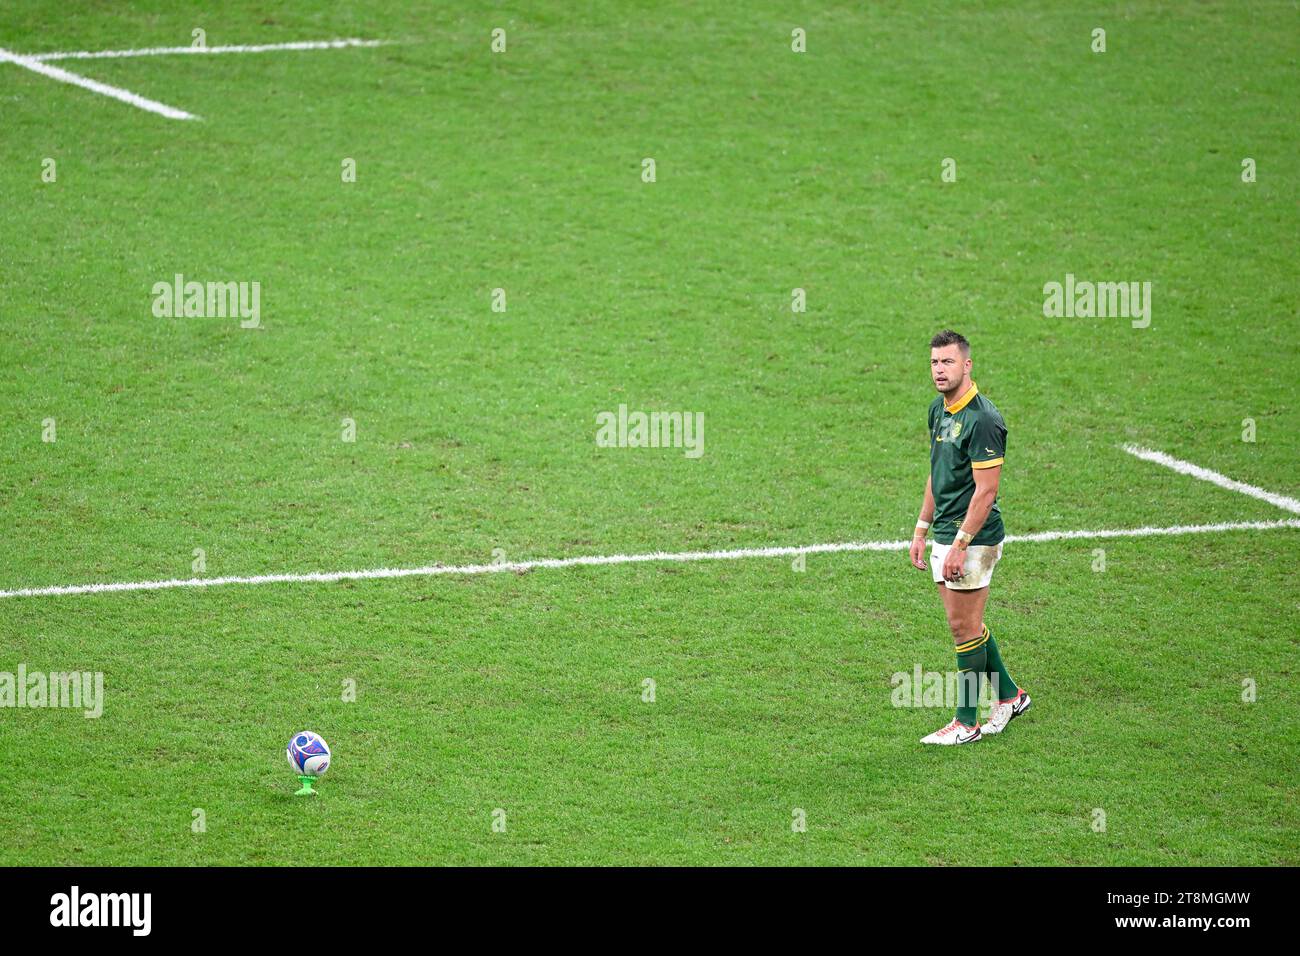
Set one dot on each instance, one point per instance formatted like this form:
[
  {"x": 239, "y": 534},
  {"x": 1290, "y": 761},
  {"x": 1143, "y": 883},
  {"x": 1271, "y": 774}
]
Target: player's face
[{"x": 948, "y": 369}]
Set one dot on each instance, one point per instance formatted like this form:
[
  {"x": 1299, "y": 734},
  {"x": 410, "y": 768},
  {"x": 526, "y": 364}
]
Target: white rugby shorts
[{"x": 977, "y": 569}]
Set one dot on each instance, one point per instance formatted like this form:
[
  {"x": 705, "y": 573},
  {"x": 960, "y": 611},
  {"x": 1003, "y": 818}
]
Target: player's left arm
[
  {"x": 986, "y": 445},
  {"x": 981, "y": 503}
]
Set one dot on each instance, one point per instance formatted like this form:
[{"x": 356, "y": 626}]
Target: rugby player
[{"x": 968, "y": 442}]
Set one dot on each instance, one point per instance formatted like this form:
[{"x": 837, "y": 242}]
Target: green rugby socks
[
  {"x": 972, "y": 662},
  {"x": 1006, "y": 688}
]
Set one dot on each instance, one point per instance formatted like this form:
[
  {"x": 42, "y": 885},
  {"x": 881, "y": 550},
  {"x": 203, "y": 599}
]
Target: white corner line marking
[
  {"x": 326, "y": 577},
  {"x": 1214, "y": 478},
  {"x": 63, "y": 76},
  {"x": 201, "y": 50}
]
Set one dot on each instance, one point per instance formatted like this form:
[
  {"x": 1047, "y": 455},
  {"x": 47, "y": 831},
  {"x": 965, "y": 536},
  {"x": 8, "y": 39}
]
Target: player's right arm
[{"x": 917, "y": 551}]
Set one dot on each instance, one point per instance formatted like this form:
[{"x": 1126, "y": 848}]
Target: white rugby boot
[
  {"x": 1003, "y": 713},
  {"x": 955, "y": 733}
]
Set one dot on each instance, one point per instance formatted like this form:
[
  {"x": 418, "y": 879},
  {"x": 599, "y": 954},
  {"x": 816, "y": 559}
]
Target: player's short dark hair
[{"x": 949, "y": 337}]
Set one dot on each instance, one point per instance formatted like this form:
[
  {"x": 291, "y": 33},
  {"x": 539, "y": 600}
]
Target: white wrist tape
[
  {"x": 964, "y": 537},
  {"x": 921, "y": 525}
]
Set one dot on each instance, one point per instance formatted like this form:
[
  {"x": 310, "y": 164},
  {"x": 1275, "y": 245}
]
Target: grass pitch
[{"x": 474, "y": 431}]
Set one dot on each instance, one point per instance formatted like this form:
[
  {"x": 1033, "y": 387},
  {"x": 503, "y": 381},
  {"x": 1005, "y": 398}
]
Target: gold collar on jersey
[{"x": 963, "y": 401}]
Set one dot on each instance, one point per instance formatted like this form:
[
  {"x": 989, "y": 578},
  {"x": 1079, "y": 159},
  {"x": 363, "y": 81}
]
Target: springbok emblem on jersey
[{"x": 949, "y": 429}]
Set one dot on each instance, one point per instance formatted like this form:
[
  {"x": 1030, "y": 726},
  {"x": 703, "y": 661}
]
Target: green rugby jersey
[{"x": 970, "y": 434}]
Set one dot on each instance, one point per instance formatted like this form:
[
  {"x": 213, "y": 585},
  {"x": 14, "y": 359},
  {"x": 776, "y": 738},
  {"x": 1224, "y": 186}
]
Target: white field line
[
  {"x": 1223, "y": 481},
  {"x": 63, "y": 76},
  {"x": 325, "y": 577},
  {"x": 200, "y": 50}
]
